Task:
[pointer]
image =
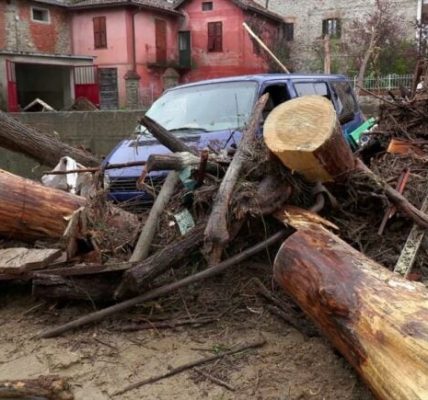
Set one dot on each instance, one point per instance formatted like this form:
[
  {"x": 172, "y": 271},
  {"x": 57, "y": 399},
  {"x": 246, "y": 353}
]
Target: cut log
[
  {"x": 138, "y": 277},
  {"x": 376, "y": 319},
  {"x": 46, "y": 149},
  {"x": 30, "y": 211},
  {"x": 306, "y": 136},
  {"x": 18, "y": 260},
  {"x": 164, "y": 137},
  {"x": 216, "y": 233},
  {"x": 50, "y": 387}
]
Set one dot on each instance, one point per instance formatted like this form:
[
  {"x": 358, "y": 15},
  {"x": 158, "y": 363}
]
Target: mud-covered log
[
  {"x": 30, "y": 211},
  {"x": 306, "y": 136},
  {"x": 50, "y": 387},
  {"x": 376, "y": 319},
  {"x": 138, "y": 277},
  {"x": 46, "y": 149}
]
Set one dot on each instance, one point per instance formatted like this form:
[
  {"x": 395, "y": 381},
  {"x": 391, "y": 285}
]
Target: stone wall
[
  {"x": 307, "y": 16},
  {"x": 99, "y": 131},
  {"x": 18, "y": 32}
]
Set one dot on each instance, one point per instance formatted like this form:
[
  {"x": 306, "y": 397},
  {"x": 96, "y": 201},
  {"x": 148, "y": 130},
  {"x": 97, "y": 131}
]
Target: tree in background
[{"x": 377, "y": 34}]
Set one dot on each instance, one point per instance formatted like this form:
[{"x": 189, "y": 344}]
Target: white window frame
[{"x": 48, "y": 21}]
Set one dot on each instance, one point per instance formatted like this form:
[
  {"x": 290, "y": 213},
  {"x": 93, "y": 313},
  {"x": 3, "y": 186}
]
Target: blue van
[{"x": 213, "y": 113}]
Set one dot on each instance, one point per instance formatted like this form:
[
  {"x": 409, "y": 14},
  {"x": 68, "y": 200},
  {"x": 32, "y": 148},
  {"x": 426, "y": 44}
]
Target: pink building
[
  {"x": 133, "y": 43},
  {"x": 220, "y": 45},
  {"x": 142, "y": 47}
]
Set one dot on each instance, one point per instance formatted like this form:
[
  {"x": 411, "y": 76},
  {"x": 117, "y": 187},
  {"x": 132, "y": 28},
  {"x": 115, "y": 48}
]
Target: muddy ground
[{"x": 98, "y": 360}]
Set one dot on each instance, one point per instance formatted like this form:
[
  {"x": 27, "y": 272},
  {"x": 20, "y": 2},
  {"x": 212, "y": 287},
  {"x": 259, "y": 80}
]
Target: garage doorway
[{"x": 50, "y": 83}]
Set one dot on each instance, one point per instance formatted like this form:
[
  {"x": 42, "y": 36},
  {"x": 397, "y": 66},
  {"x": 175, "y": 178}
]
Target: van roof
[{"x": 262, "y": 78}]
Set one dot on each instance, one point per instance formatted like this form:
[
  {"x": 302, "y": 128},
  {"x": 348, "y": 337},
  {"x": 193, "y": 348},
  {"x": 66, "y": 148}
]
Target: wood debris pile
[{"x": 230, "y": 207}]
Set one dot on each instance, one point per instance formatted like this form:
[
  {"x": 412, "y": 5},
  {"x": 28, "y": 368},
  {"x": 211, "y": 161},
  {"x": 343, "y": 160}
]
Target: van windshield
[{"x": 209, "y": 107}]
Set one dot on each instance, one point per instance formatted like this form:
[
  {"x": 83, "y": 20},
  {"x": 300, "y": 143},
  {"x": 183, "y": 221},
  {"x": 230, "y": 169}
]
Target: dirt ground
[{"x": 98, "y": 360}]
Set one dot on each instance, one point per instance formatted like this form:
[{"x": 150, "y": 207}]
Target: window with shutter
[
  {"x": 215, "y": 36},
  {"x": 100, "y": 33}
]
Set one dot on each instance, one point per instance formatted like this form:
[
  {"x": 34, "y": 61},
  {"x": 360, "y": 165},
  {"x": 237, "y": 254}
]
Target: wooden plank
[
  {"x": 20, "y": 259},
  {"x": 410, "y": 250}
]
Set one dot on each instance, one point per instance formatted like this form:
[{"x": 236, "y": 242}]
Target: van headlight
[{"x": 106, "y": 182}]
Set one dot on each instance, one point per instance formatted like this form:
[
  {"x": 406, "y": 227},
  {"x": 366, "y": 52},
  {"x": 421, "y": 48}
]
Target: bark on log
[
  {"x": 138, "y": 277},
  {"x": 30, "y": 211},
  {"x": 93, "y": 288},
  {"x": 46, "y": 149},
  {"x": 216, "y": 232},
  {"x": 306, "y": 136},
  {"x": 166, "y": 138},
  {"x": 376, "y": 319}
]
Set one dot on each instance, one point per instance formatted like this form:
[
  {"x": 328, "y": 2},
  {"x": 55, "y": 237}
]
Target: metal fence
[{"x": 385, "y": 83}]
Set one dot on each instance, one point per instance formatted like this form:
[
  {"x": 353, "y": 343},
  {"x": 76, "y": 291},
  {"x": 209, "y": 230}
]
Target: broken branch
[
  {"x": 207, "y": 273},
  {"x": 184, "y": 367}
]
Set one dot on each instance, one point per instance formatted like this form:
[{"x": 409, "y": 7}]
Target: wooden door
[{"x": 160, "y": 26}]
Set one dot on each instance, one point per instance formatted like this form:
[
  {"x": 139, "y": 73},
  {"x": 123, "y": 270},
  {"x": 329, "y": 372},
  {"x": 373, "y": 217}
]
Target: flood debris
[{"x": 289, "y": 189}]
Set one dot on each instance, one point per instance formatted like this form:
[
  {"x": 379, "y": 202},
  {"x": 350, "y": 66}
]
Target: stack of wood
[{"x": 268, "y": 191}]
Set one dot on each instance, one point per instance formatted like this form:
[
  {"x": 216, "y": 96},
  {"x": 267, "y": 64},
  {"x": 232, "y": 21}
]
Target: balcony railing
[{"x": 166, "y": 57}]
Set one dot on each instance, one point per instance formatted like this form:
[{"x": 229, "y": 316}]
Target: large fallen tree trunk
[
  {"x": 377, "y": 320},
  {"x": 30, "y": 211},
  {"x": 46, "y": 149}
]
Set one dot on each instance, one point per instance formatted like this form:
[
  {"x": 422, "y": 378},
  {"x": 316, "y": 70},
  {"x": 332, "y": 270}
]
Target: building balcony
[{"x": 168, "y": 57}]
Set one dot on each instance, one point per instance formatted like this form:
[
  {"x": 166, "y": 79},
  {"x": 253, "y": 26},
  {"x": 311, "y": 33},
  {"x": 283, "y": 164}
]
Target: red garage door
[{"x": 86, "y": 83}]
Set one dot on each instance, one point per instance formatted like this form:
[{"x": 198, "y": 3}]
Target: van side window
[
  {"x": 345, "y": 99},
  {"x": 277, "y": 95},
  {"x": 311, "y": 88}
]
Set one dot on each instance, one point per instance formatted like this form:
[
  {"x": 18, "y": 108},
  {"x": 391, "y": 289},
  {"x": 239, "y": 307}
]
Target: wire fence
[{"x": 385, "y": 83}]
